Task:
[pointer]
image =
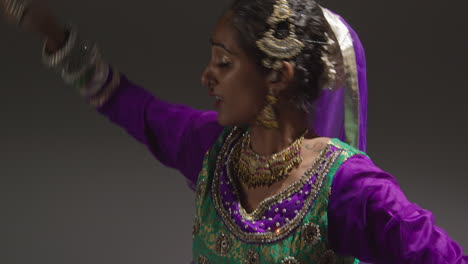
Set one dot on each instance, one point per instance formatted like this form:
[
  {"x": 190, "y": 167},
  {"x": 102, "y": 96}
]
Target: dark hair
[{"x": 249, "y": 18}]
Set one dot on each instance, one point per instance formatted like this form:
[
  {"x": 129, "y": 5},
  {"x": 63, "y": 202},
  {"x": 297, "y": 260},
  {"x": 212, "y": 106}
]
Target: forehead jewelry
[{"x": 278, "y": 49}]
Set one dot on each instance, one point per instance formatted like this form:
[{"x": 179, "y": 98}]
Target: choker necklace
[{"x": 256, "y": 170}]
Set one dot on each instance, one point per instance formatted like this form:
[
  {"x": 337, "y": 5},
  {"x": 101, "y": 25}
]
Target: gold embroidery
[
  {"x": 311, "y": 233},
  {"x": 202, "y": 260},
  {"x": 352, "y": 101},
  {"x": 201, "y": 185},
  {"x": 201, "y": 189},
  {"x": 196, "y": 227},
  {"x": 252, "y": 257},
  {"x": 223, "y": 244},
  {"x": 288, "y": 227},
  {"x": 290, "y": 260}
]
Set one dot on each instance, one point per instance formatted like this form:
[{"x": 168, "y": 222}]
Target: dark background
[{"x": 74, "y": 188}]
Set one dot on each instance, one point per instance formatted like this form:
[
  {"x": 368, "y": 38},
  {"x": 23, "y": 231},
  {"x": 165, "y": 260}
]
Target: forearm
[{"x": 176, "y": 134}]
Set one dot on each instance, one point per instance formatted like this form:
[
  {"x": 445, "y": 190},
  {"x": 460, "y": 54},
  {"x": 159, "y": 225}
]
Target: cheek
[
  {"x": 236, "y": 112},
  {"x": 243, "y": 101},
  {"x": 244, "y": 90}
]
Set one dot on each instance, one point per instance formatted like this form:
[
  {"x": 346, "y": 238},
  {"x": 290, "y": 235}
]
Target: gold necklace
[{"x": 256, "y": 170}]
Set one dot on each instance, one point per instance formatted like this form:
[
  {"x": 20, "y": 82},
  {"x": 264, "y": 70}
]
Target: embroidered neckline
[
  {"x": 273, "y": 225},
  {"x": 283, "y": 194}
]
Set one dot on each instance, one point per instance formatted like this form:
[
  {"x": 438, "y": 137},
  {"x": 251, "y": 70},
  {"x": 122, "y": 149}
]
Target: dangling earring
[{"x": 267, "y": 116}]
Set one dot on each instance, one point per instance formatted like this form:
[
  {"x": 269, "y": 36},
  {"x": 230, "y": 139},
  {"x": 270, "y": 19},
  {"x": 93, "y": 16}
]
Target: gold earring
[{"x": 267, "y": 116}]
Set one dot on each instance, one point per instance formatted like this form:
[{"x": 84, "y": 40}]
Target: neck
[{"x": 267, "y": 141}]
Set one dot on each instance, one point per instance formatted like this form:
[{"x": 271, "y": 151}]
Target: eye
[{"x": 224, "y": 62}]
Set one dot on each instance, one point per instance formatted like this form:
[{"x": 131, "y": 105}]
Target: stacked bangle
[
  {"x": 57, "y": 58},
  {"x": 106, "y": 92},
  {"x": 79, "y": 62},
  {"x": 94, "y": 79}
]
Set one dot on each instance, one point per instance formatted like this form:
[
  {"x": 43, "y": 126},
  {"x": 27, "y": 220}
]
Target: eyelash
[{"x": 224, "y": 64}]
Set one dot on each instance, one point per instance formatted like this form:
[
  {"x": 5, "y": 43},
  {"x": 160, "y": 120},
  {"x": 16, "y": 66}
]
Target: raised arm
[
  {"x": 371, "y": 219},
  {"x": 177, "y": 135}
]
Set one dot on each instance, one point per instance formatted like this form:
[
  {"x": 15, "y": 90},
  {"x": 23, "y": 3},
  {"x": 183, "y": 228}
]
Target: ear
[{"x": 279, "y": 80}]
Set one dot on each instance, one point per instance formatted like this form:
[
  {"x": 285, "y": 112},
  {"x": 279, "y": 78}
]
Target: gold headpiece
[
  {"x": 275, "y": 48},
  {"x": 279, "y": 49}
]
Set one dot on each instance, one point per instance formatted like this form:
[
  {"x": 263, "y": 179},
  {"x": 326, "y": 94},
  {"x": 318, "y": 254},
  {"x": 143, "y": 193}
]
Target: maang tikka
[
  {"x": 286, "y": 48},
  {"x": 279, "y": 49}
]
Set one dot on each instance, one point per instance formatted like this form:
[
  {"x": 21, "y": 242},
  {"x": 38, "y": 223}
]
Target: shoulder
[
  {"x": 355, "y": 172},
  {"x": 346, "y": 151},
  {"x": 353, "y": 168}
]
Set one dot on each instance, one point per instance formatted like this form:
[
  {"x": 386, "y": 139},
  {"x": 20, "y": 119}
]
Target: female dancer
[{"x": 280, "y": 171}]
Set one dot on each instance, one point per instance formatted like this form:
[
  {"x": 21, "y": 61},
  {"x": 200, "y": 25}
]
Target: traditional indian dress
[{"x": 344, "y": 209}]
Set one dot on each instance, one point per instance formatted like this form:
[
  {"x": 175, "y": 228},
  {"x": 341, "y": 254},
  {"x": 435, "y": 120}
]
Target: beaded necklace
[{"x": 257, "y": 170}]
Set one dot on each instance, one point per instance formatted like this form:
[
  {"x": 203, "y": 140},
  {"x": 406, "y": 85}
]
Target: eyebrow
[{"x": 214, "y": 43}]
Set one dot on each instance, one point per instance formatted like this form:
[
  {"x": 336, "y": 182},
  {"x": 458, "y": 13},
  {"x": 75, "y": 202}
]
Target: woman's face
[{"x": 234, "y": 77}]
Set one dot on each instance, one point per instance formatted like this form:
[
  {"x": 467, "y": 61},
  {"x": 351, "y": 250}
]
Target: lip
[
  {"x": 218, "y": 103},
  {"x": 212, "y": 94},
  {"x": 218, "y": 97}
]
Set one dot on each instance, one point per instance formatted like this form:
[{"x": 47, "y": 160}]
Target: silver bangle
[
  {"x": 106, "y": 92},
  {"x": 55, "y": 59},
  {"x": 100, "y": 76},
  {"x": 17, "y": 9},
  {"x": 74, "y": 59},
  {"x": 84, "y": 56},
  {"x": 79, "y": 63}
]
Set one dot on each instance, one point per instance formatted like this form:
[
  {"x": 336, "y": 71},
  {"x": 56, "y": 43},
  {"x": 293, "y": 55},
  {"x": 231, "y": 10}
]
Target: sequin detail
[
  {"x": 212, "y": 224},
  {"x": 311, "y": 233},
  {"x": 274, "y": 231},
  {"x": 223, "y": 244},
  {"x": 252, "y": 257},
  {"x": 202, "y": 260},
  {"x": 201, "y": 189},
  {"x": 290, "y": 260},
  {"x": 196, "y": 227}
]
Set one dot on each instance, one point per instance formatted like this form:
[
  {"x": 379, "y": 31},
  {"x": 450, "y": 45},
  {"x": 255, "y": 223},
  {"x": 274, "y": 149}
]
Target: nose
[
  {"x": 204, "y": 76},
  {"x": 207, "y": 79}
]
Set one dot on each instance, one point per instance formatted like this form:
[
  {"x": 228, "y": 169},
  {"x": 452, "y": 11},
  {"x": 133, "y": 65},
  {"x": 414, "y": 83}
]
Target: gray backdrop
[{"x": 74, "y": 188}]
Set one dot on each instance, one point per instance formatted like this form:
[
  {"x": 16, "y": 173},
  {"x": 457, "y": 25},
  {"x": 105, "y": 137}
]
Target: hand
[
  {"x": 8, "y": 6},
  {"x": 38, "y": 18}
]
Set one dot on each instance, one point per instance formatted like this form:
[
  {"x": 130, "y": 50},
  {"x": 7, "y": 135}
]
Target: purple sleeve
[
  {"x": 177, "y": 135},
  {"x": 371, "y": 219}
]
